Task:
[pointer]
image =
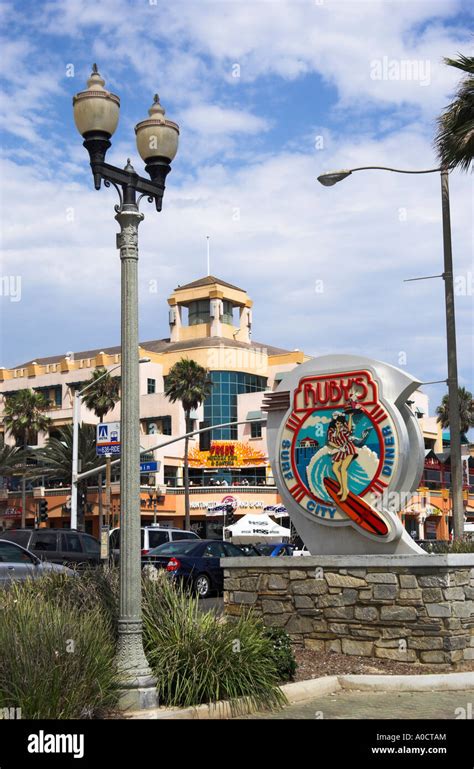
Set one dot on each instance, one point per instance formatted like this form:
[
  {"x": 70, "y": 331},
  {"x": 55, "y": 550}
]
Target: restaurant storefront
[{"x": 163, "y": 506}]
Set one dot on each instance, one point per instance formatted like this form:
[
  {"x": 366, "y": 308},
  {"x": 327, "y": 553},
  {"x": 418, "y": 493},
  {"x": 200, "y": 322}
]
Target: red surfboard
[{"x": 358, "y": 510}]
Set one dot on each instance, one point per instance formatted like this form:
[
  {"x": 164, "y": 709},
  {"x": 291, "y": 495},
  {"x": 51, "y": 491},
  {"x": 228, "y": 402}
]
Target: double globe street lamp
[
  {"x": 329, "y": 180},
  {"x": 96, "y": 113}
]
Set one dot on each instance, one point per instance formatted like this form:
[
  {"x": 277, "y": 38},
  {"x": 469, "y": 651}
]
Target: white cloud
[{"x": 212, "y": 120}]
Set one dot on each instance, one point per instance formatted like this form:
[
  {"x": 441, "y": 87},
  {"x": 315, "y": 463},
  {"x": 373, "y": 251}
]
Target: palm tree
[
  {"x": 454, "y": 140},
  {"x": 102, "y": 398},
  {"x": 54, "y": 460},
  {"x": 11, "y": 459},
  {"x": 466, "y": 410},
  {"x": 188, "y": 383},
  {"x": 24, "y": 418}
]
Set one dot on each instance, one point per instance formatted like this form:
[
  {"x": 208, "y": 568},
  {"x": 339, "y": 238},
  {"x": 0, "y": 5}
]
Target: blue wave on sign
[{"x": 320, "y": 468}]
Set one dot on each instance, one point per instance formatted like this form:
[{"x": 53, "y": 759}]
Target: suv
[
  {"x": 67, "y": 546},
  {"x": 151, "y": 536}
]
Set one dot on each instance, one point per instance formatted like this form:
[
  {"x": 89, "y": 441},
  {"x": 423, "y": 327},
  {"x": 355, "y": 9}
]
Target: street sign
[
  {"x": 112, "y": 449},
  {"x": 104, "y": 543},
  {"x": 149, "y": 467},
  {"x": 108, "y": 438}
]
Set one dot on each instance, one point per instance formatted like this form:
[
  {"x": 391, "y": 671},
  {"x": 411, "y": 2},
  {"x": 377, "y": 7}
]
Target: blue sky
[{"x": 268, "y": 95}]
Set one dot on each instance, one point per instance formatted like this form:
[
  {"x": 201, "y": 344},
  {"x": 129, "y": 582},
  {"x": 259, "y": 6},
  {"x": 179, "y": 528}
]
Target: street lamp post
[
  {"x": 96, "y": 113},
  {"x": 333, "y": 177}
]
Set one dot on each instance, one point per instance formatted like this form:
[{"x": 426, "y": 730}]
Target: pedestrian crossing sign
[{"x": 108, "y": 434}]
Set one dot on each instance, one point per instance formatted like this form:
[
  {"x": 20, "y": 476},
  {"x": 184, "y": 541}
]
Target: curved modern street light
[
  {"x": 333, "y": 177},
  {"x": 96, "y": 114}
]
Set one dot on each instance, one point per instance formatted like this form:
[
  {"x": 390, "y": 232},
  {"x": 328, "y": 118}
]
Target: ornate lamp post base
[{"x": 137, "y": 685}]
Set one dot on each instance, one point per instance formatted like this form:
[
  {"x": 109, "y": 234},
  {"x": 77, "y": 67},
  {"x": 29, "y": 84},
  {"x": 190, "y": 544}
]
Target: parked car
[
  {"x": 301, "y": 551},
  {"x": 18, "y": 564},
  {"x": 280, "y": 548},
  {"x": 65, "y": 546},
  {"x": 151, "y": 537},
  {"x": 249, "y": 549},
  {"x": 469, "y": 531},
  {"x": 194, "y": 564}
]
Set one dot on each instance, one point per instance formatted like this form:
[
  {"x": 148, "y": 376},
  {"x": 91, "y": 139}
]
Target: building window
[
  {"x": 53, "y": 395},
  {"x": 227, "y": 312},
  {"x": 432, "y": 478},
  {"x": 158, "y": 426},
  {"x": 199, "y": 312},
  {"x": 232, "y": 476},
  {"x": 221, "y": 405},
  {"x": 151, "y": 386},
  {"x": 169, "y": 475},
  {"x": 256, "y": 430}
]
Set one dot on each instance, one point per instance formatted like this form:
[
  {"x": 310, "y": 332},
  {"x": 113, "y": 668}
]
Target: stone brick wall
[{"x": 406, "y": 608}]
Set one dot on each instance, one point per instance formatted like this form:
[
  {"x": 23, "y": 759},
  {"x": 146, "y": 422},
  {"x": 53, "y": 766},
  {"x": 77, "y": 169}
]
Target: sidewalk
[{"x": 384, "y": 705}]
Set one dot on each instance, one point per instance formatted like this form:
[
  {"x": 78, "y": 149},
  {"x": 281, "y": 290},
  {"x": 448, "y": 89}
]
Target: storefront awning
[{"x": 416, "y": 509}]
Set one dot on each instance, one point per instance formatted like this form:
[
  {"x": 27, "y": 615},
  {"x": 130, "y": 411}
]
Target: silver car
[{"x": 18, "y": 564}]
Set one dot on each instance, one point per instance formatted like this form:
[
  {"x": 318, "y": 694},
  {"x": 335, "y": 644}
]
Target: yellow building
[{"x": 210, "y": 321}]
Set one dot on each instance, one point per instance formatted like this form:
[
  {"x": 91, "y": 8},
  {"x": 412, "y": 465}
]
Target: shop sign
[
  {"x": 242, "y": 504},
  {"x": 12, "y": 512},
  {"x": 227, "y": 454}
]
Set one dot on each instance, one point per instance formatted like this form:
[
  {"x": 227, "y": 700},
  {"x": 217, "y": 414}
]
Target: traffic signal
[
  {"x": 230, "y": 515},
  {"x": 43, "y": 510}
]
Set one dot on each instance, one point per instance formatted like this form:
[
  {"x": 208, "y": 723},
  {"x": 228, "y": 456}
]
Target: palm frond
[{"x": 454, "y": 140}]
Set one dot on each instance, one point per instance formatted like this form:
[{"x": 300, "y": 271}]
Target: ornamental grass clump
[
  {"x": 201, "y": 657},
  {"x": 56, "y": 652}
]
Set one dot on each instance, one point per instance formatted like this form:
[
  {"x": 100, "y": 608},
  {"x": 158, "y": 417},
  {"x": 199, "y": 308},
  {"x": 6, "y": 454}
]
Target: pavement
[{"x": 350, "y": 704}]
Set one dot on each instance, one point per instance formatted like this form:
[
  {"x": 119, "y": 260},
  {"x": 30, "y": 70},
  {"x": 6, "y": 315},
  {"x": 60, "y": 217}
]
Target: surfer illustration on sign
[
  {"x": 342, "y": 446},
  {"x": 342, "y": 450}
]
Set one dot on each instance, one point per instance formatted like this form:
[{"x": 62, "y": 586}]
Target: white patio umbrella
[{"x": 256, "y": 528}]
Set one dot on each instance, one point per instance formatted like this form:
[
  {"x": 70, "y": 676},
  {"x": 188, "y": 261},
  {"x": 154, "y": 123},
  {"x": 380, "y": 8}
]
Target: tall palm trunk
[
  {"x": 187, "y": 514},
  {"x": 23, "y": 485}
]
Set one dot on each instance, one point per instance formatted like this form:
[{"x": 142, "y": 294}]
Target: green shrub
[
  {"x": 56, "y": 660},
  {"x": 282, "y": 652},
  {"x": 464, "y": 545},
  {"x": 201, "y": 657}
]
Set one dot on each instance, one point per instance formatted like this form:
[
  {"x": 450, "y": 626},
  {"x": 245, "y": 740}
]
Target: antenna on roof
[{"x": 208, "y": 256}]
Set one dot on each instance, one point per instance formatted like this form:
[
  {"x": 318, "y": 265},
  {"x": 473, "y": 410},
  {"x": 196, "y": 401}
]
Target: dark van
[{"x": 66, "y": 546}]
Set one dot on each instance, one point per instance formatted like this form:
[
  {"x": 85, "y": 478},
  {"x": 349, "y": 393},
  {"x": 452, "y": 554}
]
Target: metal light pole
[
  {"x": 453, "y": 385},
  {"x": 96, "y": 115},
  {"x": 331, "y": 178}
]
